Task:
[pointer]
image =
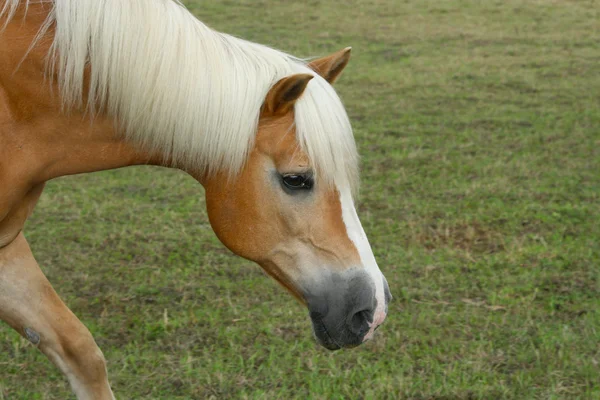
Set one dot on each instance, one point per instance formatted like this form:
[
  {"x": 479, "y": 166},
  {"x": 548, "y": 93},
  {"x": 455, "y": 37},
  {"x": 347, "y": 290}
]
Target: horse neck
[{"x": 39, "y": 140}]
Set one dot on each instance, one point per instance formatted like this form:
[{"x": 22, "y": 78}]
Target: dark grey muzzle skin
[{"x": 341, "y": 307}]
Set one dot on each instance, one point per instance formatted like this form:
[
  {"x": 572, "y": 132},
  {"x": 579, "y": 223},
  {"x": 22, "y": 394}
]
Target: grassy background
[{"x": 478, "y": 126}]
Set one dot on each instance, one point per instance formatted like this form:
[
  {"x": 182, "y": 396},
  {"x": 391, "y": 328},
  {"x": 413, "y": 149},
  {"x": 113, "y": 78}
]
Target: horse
[{"x": 94, "y": 85}]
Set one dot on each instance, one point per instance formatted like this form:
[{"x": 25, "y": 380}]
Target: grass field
[{"x": 478, "y": 125}]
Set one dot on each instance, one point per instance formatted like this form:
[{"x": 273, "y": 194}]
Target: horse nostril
[{"x": 359, "y": 323}]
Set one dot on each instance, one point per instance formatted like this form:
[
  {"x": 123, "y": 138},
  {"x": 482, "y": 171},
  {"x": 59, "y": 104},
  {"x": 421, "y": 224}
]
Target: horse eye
[{"x": 295, "y": 182}]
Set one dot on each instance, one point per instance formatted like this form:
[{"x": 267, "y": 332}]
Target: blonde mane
[{"x": 177, "y": 86}]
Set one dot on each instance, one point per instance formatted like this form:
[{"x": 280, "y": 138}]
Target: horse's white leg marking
[
  {"x": 357, "y": 235},
  {"x": 30, "y": 305}
]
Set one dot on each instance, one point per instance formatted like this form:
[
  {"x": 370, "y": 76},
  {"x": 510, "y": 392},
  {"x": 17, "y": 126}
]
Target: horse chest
[{"x": 17, "y": 196}]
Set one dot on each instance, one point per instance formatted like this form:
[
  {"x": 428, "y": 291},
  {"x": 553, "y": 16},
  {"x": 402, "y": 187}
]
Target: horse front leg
[{"x": 29, "y": 304}]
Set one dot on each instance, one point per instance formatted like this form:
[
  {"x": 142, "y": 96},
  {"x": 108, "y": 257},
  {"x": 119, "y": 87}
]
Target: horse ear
[
  {"x": 284, "y": 94},
  {"x": 331, "y": 66}
]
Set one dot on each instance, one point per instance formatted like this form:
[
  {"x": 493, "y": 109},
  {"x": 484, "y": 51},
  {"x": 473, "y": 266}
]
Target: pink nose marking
[{"x": 377, "y": 320}]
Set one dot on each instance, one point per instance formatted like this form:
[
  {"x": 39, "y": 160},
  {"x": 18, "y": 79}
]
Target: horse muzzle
[{"x": 345, "y": 311}]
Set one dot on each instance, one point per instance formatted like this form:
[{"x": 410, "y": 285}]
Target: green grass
[{"x": 478, "y": 125}]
